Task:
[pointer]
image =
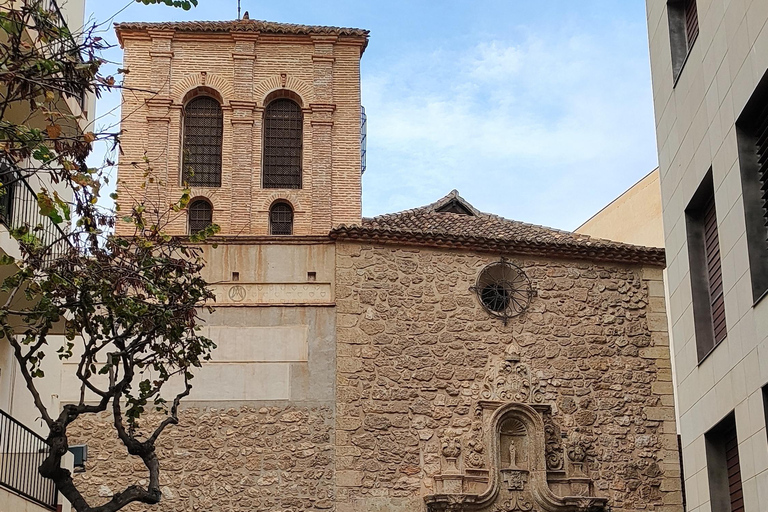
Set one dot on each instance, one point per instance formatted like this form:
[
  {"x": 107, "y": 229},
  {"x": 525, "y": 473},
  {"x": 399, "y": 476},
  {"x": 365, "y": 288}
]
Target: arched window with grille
[
  {"x": 203, "y": 130},
  {"x": 281, "y": 219},
  {"x": 200, "y": 215},
  {"x": 283, "y": 123}
]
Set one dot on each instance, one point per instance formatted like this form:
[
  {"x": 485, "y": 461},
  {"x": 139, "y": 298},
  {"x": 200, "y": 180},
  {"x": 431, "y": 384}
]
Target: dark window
[
  {"x": 203, "y": 128},
  {"x": 723, "y": 468},
  {"x": 283, "y": 123},
  {"x": 752, "y": 131},
  {"x": 683, "y": 31},
  {"x": 200, "y": 215},
  {"x": 706, "y": 273},
  {"x": 765, "y": 407},
  {"x": 8, "y": 178},
  {"x": 455, "y": 206},
  {"x": 281, "y": 219}
]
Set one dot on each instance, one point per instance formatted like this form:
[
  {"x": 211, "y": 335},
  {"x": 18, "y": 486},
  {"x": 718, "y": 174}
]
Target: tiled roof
[
  {"x": 244, "y": 25},
  {"x": 437, "y": 225}
]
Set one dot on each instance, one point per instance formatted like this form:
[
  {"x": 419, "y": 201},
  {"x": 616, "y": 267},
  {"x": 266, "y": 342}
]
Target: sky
[{"x": 536, "y": 110}]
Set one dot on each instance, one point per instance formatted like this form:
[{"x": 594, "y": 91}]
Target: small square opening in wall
[
  {"x": 235, "y": 276},
  {"x": 311, "y": 276}
]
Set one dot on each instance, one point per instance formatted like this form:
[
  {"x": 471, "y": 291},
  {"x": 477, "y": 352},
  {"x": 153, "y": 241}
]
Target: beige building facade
[
  {"x": 436, "y": 359},
  {"x": 22, "y": 432},
  {"x": 709, "y": 61},
  {"x": 633, "y": 218}
]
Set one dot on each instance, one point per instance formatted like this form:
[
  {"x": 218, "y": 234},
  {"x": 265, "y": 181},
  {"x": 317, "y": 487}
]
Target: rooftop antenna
[{"x": 238, "y": 9}]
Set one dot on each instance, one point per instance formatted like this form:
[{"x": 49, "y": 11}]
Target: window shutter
[
  {"x": 734, "y": 470},
  {"x": 283, "y": 123},
  {"x": 203, "y": 131},
  {"x": 714, "y": 270},
  {"x": 762, "y": 160},
  {"x": 691, "y": 22}
]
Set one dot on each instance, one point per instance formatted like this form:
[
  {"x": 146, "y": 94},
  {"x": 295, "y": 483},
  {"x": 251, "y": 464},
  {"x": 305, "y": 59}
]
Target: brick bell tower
[{"x": 261, "y": 120}]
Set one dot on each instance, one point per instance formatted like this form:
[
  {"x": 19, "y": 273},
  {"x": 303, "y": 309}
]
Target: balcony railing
[
  {"x": 19, "y": 208},
  {"x": 69, "y": 44},
  {"x": 21, "y": 453}
]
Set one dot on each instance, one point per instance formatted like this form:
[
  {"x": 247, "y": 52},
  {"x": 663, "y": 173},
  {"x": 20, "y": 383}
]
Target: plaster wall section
[
  {"x": 696, "y": 114},
  {"x": 415, "y": 348},
  {"x": 257, "y": 431},
  {"x": 633, "y": 218}
]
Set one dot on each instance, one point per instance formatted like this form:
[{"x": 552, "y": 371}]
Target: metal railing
[
  {"x": 19, "y": 208},
  {"x": 70, "y": 44},
  {"x": 21, "y": 453},
  {"x": 363, "y": 138}
]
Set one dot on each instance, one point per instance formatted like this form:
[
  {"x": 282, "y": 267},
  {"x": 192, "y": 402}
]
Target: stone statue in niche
[
  {"x": 512, "y": 455},
  {"x": 513, "y": 435},
  {"x": 514, "y": 462}
]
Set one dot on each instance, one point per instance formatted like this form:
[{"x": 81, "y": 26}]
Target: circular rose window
[{"x": 503, "y": 289}]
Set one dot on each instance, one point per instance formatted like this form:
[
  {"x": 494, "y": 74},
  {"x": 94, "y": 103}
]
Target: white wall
[{"x": 695, "y": 130}]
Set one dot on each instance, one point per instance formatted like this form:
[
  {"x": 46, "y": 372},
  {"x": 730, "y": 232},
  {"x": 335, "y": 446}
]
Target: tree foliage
[{"x": 128, "y": 306}]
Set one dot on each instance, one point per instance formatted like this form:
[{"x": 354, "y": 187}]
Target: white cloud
[{"x": 546, "y": 130}]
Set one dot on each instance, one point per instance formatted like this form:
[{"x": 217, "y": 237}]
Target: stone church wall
[
  {"x": 230, "y": 459},
  {"x": 416, "y": 352}
]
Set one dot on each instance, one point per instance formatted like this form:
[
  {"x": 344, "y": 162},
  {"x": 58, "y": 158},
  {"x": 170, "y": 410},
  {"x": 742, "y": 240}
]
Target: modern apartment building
[
  {"x": 22, "y": 446},
  {"x": 709, "y": 61}
]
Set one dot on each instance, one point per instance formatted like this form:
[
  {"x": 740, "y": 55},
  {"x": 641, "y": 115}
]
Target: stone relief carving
[
  {"x": 521, "y": 441},
  {"x": 475, "y": 454},
  {"x": 450, "y": 446},
  {"x": 515, "y": 479},
  {"x": 511, "y": 381},
  {"x": 517, "y": 503},
  {"x": 580, "y": 447},
  {"x": 553, "y": 442}
]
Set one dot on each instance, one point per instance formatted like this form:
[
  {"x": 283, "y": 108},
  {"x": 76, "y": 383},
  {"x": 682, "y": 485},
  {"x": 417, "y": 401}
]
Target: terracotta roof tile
[
  {"x": 245, "y": 25},
  {"x": 430, "y": 226}
]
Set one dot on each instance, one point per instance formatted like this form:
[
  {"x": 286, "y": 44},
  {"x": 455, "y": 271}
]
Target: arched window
[
  {"x": 281, "y": 219},
  {"x": 203, "y": 127},
  {"x": 200, "y": 215},
  {"x": 282, "y": 144}
]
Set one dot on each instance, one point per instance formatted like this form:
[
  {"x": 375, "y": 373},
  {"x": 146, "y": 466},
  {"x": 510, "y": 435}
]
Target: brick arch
[
  {"x": 211, "y": 81},
  {"x": 287, "y": 196},
  {"x": 263, "y": 89}
]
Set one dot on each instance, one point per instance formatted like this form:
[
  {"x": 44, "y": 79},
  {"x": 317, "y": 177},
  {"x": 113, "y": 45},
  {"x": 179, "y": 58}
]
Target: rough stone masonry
[{"x": 361, "y": 365}]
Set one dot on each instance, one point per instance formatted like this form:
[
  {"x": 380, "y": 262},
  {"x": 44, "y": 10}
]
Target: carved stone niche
[{"x": 518, "y": 476}]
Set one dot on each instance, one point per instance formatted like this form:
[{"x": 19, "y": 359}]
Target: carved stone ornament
[
  {"x": 450, "y": 447},
  {"x": 514, "y": 478},
  {"x": 517, "y": 478},
  {"x": 580, "y": 447},
  {"x": 511, "y": 381},
  {"x": 517, "y": 503},
  {"x": 475, "y": 456},
  {"x": 554, "y": 443}
]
